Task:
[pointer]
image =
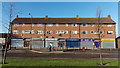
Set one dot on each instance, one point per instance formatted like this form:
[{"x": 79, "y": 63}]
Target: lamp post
[{"x": 31, "y": 31}]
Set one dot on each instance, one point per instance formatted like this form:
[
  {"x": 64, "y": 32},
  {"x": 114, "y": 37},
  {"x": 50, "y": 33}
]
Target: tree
[{"x": 99, "y": 34}]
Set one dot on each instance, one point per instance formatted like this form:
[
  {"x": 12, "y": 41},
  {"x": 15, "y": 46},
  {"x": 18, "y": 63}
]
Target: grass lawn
[{"x": 58, "y": 63}]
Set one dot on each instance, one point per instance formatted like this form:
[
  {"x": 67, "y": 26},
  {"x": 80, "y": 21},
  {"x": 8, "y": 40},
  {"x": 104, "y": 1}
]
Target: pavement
[{"x": 76, "y": 54}]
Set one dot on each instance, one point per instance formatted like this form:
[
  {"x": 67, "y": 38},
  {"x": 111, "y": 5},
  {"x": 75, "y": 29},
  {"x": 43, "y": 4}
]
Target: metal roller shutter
[
  {"x": 86, "y": 44},
  {"x": 108, "y": 44},
  {"x": 17, "y": 43},
  {"x": 37, "y": 44},
  {"x": 53, "y": 41}
]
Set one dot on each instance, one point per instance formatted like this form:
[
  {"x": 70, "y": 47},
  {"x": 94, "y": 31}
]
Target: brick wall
[{"x": 69, "y": 28}]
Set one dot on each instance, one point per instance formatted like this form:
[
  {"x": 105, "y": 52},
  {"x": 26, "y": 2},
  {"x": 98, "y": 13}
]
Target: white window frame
[
  {"x": 92, "y": 25},
  {"x": 110, "y": 25},
  {"x": 39, "y": 32},
  {"x": 108, "y": 32},
  {"x": 84, "y": 26},
  {"x": 39, "y": 24},
  {"x": 49, "y": 24},
  {"x": 74, "y": 32},
  {"x": 50, "y": 32},
  {"x": 66, "y": 24},
  {"x": 22, "y": 31},
  {"x": 102, "y": 32},
  {"x": 74, "y": 24},
  {"x": 28, "y": 31},
  {"x": 16, "y": 24},
  {"x": 93, "y": 32},
  {"x": 101, "y": 24},
  {"x": 23, "y": 24},
  {"x": 85, "y": 31},
  {"x": 66, "y": 32},
  {"x": 57, "y": 24},
  {"x": 15, "y": 31},
  {"x": 61, "y": 32},
  {"x": 56, "y": 32},
  {"x": 32, "y": 24}
]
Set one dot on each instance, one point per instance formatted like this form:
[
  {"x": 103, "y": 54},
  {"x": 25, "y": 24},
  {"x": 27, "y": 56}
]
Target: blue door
[
  {"x": 75, "y": 44},
  {"x": 96, "y": 44}
]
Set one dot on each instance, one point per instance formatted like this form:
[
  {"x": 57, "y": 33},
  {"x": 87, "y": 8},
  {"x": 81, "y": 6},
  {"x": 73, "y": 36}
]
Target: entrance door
[
  {"x": 96, "y": 44},
  {"x": 26, "y": 43}
]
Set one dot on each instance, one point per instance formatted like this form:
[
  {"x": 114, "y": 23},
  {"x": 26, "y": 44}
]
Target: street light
[{"x": 31, "y": 32}]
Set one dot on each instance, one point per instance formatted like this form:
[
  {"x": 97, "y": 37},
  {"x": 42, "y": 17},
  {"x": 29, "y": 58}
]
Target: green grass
[{"x": 32, "y": 62}]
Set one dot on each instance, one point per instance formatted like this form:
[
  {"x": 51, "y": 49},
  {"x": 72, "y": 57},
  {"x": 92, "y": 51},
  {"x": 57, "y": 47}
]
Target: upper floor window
[
  {"x": 66, "y": 24},
  {"x": 39, "y": 24},
  {"x": 49, "y": 32},
  {"x": 74, "y": 32},
  {"x": 92, "y": 25},
  {"x": 32, "y": 32},
  {"x": 57, "y": 32},
  {"x": 101, "y": 32},
  {"x": 32, "y": 24},
  {"x": 15, "y": 24},
  {"x": 92, "y": 32},
  {"x": 15, "y": 31},
  {"x": 57, "y": 24},
  {"x": 49, "y": 25},
  {"x": 109, "y": 32},
  {"x": 39, "y": 32},
  {"x": 84, "y": 24},
  {"x": 110, "y": 25},
  {"x": 101, "y": 24},
  {"x": 84, "y": 32},
  {"x": 61, "y": 32},
  {"x": 65, "y": 32},
  {"x": 23, "y": 24},
  {"x": 27, "y": 31},
  {"x": 74, "y": 24}
]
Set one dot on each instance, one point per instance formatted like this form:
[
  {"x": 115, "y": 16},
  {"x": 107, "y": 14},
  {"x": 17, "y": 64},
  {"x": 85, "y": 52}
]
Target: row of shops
[{"x": 63, "y": 43}]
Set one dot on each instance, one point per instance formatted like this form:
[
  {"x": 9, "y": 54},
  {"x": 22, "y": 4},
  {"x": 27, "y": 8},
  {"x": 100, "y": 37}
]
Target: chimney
[
  {"x": 109, "y": 16},
  {"x": 17, "y": 16},
  {"x": 77, "y": 16},
  {"x": 46, "y": 16}
]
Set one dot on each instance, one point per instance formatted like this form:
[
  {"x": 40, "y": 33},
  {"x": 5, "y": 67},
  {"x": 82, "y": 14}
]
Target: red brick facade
[{"x": 63, "y": 24}]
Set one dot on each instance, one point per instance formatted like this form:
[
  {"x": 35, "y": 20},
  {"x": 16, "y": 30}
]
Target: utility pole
[
  {"x": 44, "y": 34},
  {"x": 99, "y": 35},
  {"x": 31, "y": 31}
]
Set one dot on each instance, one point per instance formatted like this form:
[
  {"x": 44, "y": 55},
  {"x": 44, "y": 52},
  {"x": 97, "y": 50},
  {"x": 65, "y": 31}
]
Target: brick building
[
  {"x": 67, "y": 28},
  {"x": 118, "y": 42}
]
